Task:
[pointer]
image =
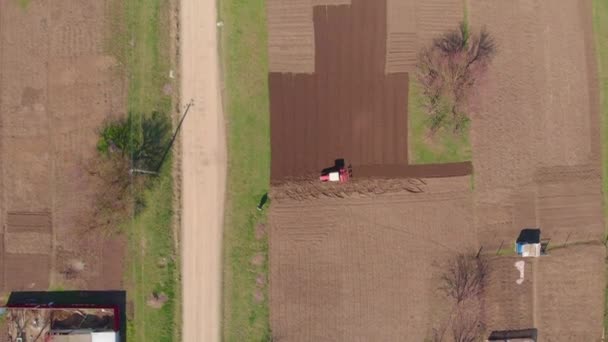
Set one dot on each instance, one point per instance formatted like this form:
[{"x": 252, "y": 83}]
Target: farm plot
[
  {"x": 541, "y": 113},
  {"x": 349, "y": 108},
  {"x": 509, "y": 301},
  {"x": 366, "y": 268},
  {"x": 571, "y": 282},
  {"x": 412, "y": 25},
  {"x": 535, "y": 131},
  {"x": 57, "y": 86},
  {"x": 536, "y": 151}
]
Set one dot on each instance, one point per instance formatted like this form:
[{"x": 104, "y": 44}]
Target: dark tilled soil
[{"x": 349, "y": 108}]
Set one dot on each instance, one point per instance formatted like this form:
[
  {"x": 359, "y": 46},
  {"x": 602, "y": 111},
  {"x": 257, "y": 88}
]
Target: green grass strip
[
  {"x": 151, "y": 265},
  {"x": 244, "y": 55},
  {"x": 600, "y": 26},
  {"x": 441, "y": 147},
  {"x": 141, "y": 42}
]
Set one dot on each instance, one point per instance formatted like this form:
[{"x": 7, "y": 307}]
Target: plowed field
[
  {"x": 350, "y": 264},
  {"x": 535, "y": 141},
  {"x": 57, "y": 86},
  {"x": 366, "y": 269},
  {"x": 413, "y": 25},
  {"x": 349, "y": 108}
]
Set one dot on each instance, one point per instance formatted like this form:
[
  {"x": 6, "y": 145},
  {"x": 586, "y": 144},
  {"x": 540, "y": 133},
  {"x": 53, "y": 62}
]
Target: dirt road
[{"x": 203, "y": 172}]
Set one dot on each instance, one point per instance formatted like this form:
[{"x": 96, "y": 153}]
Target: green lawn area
[
  {"x": 245, "y": 60},
  {"x": 151, "y": 243},
  {"x": 600, "y": 19},
  {"x": 140, "y": 41},
  {"x": 600, "y": 25},
  {"x": 442, "y": 146}
]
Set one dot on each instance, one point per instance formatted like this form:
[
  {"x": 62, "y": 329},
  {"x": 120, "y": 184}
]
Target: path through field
[{"x": 203, "y": 172}]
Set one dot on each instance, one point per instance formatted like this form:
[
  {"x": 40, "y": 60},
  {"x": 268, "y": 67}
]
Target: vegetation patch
[
  {"x": 426, "y": 147},
  {"x": 140, "y": 139},
  {"x": 244, "y": 41},
  {"x": 446, "y": 73},
  {"x": 600, "y": 25},
  {"x": 463, "y": 283},
  {"x": 140, "y": 41}
]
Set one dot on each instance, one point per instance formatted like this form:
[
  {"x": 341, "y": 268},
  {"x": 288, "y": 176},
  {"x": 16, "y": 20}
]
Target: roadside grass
[
  {"x": 245, "y": 61},
  {"x": 152, "y": 266},
  {"x": 600, "y": 26},
  {"x": 442, "y": 146},
  {"x": 141, "y": 43},
  {"x": 600, "y": 19}
]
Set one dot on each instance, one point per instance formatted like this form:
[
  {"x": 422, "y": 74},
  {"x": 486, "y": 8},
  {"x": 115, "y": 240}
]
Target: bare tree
[
  {"x": 465, "y": 277},
  {"x": 467, "y": 325},
  {"x": 447, "y": 71},
  {"x": 113, "y": 201}
]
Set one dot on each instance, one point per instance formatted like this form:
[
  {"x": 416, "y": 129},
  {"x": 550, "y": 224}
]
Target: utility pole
[
  {"x": 179, "y": 125},
  {"x": 132, "y": 171}
]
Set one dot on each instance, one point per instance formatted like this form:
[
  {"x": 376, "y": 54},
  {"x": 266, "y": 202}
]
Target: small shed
[
  {"x": 523, "y": 335},
  {"x": 528, "y": 243}
]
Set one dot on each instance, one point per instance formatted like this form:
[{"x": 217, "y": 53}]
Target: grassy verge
[
  {"x": 440, "y": 147},
  {"x": 600, "y": 18},
  {"x": 443, "y": 146},
  {"x": 140, "y": 41},
  {"x": 245, "y": 71},
  {"x": 600, "y": 26},
  {"x": 151, "y": 266}
]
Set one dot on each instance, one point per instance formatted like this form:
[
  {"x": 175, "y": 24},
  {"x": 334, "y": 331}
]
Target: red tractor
[{"x": 337, "y": 173}]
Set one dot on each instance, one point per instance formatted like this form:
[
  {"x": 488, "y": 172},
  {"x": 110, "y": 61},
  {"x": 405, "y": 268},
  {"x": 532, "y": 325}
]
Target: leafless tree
[
  {"x": 465, "y": 277},
  {"x": 467, "y": 325},
  {"x": 113, "y": 201},
  {"x": 447, "y": 70},
  {"x": 463, "y": 324}
]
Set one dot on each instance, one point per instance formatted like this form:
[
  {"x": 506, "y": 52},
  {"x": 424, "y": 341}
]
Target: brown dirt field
[
  {"x": 570, "y": 285},
  {"x": 28, "y": 243},
  {"x": 28, "y": 222},
  {"x": 291, "y": 39},
  {"x": 539, "y": 113},
  {"x": 506, "y": 303},
  {"x": 412, "y": 25},
  {"x": 535, "y": 141},
  {"x": 341, "y": 266},
  {"x": 365, "y": 268},
  {"x": 536, "y": 145},
  {"x": 26, "y": 272},
  {"x": 57, "y": 86},
  {"x": 349, "y": 108}
]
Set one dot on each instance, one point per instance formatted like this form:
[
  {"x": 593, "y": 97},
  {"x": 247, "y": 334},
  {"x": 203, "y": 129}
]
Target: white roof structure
[
  {"x": 106, "y": 336},
  {"x": 334, "y": 176},
  {"x": 531, "y": 250}
]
